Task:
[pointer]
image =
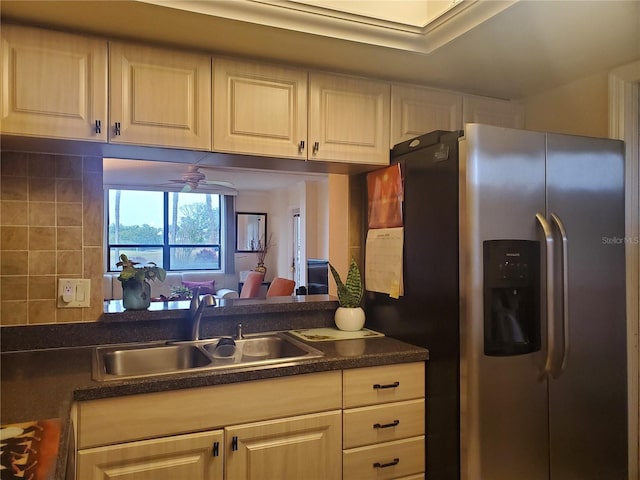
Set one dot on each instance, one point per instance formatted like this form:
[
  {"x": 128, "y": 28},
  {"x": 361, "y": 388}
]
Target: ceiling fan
[{"x": 193, "y": 179}]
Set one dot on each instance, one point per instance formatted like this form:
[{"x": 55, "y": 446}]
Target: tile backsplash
[{"x": 51, "y": 226}]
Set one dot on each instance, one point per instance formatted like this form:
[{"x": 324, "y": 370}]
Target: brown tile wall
[{"x": 51, "y": 226}]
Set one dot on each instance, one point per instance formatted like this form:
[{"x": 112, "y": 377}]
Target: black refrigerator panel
[
  {"x": 511, "y": 297},
  {"x": 427, "y": 313}
]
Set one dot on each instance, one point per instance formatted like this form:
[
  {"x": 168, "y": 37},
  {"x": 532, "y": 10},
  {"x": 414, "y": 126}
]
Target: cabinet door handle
[
  {"x": 216, "y": 449},
  {"x": 234, "y": 444},
  {"x": 98, "y": 126},
  {"x": 117, "y": 128},
  {"x": 377, "y": 386},
  {"x": 316, "y": 147},
  {"x": 301, "y": 146},
  {"x": 385, "y": 465},
  {"x": 395, "y": 423}
]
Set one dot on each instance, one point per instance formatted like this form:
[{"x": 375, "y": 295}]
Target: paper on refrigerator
[{"x": 383, "y": 266}]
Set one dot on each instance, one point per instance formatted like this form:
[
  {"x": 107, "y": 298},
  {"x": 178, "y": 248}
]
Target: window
[{"x": 175, "y": 230}]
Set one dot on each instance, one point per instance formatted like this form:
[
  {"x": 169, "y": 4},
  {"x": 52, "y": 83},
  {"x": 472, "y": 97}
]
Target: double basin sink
[{"x": 121, "y": 362}]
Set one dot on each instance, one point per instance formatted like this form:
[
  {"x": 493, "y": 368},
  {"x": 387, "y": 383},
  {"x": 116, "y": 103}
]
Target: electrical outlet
[{"x": 74, "y": 293}]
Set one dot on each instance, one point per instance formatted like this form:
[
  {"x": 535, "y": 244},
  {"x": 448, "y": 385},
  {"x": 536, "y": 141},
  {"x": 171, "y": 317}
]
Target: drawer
[
  {"x": 397, "y": 459},
  {"x": 382, "y": 423},
  {"x": 385, "y": 384},
  {"x": 149, "y": 415}
]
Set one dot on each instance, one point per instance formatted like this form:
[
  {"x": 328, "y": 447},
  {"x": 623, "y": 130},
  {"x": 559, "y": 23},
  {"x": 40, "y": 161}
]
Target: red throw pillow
[{"x": 205, "y": 287}]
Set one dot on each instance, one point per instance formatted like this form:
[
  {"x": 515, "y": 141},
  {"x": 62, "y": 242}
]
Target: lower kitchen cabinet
[
  {"x": 192, "y": 456},
  {"x": 305, "y": 447},
  {"x": 356, "y": 424}
]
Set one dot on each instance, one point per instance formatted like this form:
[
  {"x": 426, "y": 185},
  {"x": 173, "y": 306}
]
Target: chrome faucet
[{"x": 196, "y": 310}]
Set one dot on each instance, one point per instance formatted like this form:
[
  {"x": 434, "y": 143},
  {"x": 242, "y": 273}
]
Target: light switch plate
[{"x": 74, "y": 292}]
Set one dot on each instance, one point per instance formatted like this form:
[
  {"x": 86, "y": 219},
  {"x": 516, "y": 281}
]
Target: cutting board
[{"x": 331, "y": 334}]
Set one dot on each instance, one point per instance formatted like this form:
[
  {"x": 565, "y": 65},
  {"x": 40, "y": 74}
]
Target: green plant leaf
[{"x": 349, "y": 294}]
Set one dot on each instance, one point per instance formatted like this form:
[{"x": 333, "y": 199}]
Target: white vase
[{"x": 349, "y": 319}]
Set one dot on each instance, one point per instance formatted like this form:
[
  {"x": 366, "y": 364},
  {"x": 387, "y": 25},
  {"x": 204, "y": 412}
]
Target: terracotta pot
[{"x": 349, "y": 319}]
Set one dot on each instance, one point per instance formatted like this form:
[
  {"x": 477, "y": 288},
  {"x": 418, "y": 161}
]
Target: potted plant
[
  {"x": 136, "y": 291},
  {"x": 264, "y": 244},
  {"x": 349, "y": 316}
]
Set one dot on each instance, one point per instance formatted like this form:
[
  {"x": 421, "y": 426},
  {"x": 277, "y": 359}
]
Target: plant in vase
[
  {"x": 136, "y": 291},
  {"x": 349, "y": 316},
  {"x": 261, "y": 253}
]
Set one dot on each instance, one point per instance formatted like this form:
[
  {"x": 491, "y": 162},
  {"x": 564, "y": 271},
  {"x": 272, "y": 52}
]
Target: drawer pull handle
[
  {"x": 385, "y": 465},
  {"x": 395, "y": 423},
  {"x": 377, "y": 386},
  {"x": 98, "y": 126},
  {"x": 301, "y": 146},
  {"x": 234, "y": 444},
  {"x": 215, "y": 451},
  {"x": 116, "y": 128}
]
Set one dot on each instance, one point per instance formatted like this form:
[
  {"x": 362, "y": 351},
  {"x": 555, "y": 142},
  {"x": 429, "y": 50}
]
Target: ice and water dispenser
[{"x": 511, "y": 297}]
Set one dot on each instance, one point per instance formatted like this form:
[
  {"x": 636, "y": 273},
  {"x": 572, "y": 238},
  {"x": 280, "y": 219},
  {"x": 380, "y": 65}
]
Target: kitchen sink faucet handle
[{"x": 239, "y": 334}]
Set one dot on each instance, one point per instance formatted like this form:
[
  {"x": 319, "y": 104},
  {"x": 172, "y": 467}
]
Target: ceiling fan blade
[{"x": 221, "y": 183}]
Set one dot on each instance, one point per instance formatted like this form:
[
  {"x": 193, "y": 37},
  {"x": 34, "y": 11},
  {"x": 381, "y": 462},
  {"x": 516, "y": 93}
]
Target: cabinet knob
[
  {"x": 316, "y": 147},
  {"x": 301, "y": 146},
  {"x": 98, "y": 126},
  {"x": 116, "y": 128}
]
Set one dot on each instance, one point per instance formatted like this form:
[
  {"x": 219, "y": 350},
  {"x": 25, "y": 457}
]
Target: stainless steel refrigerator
[{"x": 514, "y": 279}]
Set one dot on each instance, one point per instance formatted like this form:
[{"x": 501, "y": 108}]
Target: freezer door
[
  {"x": 588, "y": 398},
  {"x": 504, "y": 434}
]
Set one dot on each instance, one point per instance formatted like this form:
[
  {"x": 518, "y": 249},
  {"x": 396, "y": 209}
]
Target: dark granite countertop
[{"x": 41, "y": 384}]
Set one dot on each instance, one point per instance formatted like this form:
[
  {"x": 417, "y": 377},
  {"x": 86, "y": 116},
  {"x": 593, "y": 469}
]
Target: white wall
[
  {"x": 311, "y": 198},
  {"x": 254, "y": 202}
]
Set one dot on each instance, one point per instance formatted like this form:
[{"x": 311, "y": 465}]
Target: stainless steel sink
[{"x": 118, "y": 362}]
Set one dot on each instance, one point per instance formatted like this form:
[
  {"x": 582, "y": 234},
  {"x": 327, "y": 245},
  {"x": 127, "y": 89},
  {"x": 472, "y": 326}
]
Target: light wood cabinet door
[
  {"x": 305, "y": 447},
  {"x": 195, "y": 456},
  {"x": 53, "y": 84},
  {"x": 159, "y": 97},
  {"x": 491, "y": 111},
  {"x": 417, "y": 110},
  {"x": 348, "y": 119},
  {"x": 259, "y": 109}
]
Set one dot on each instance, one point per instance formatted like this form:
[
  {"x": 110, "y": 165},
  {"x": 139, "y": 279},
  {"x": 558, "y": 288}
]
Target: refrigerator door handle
[
  {"x": 565, "y": 294},
  {"x": 548, "y": 236}
]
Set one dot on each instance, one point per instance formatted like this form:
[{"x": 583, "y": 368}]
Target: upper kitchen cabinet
[
  {"x": 348, "y": 119},
  {"x": 159, "y": 97},
  {"x": 417, "y": 110},
  {"x": 259, "y": 109},
  {"x": 490, "y": 111},
  {"x": 53, "y": 84}
]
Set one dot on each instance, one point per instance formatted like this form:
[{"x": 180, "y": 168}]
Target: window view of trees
[{"x": 175, "y": 230}]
